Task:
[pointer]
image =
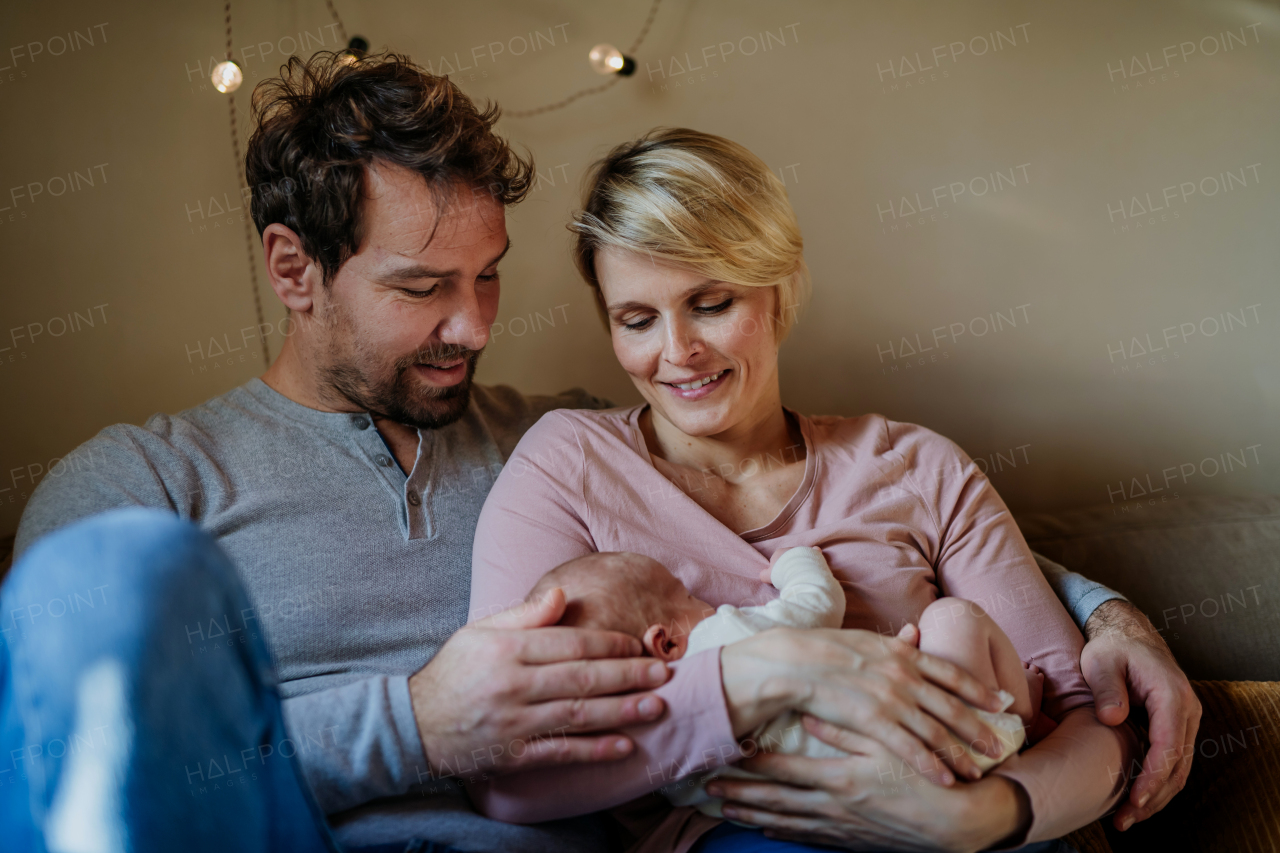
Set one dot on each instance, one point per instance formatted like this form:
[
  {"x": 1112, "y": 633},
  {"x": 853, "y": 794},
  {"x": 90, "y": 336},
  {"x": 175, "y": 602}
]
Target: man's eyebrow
[
  {"x": 692, "y": 293},
  {"x": 415, "y": 272}
]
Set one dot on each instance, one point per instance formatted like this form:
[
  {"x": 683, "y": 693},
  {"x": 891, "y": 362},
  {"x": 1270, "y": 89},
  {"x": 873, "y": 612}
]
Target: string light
[
  {"x": 227, "y": 76},
  {"x": 356, "y": 50},
  {"x": 606, "y": 59},
  {"x": 231, "y": 78}
]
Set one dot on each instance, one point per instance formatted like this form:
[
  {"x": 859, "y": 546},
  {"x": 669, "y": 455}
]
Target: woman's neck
[{"x": 768, "y": 431}]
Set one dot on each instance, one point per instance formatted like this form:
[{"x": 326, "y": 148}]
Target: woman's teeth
[{"x": 698, "y": 383}]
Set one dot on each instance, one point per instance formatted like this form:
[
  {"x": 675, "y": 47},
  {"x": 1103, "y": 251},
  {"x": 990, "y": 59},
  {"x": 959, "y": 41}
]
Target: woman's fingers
[
  {"x": 942, "y": 741},
  {"x": 776, "y": 797},
  {"x": 959, "y": 718},
  {"x": 954, "y": 678},
  {"x": 841, "y": 738}
]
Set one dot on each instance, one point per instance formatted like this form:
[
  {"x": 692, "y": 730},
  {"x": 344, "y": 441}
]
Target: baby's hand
[{"x": 766, "y": 574}]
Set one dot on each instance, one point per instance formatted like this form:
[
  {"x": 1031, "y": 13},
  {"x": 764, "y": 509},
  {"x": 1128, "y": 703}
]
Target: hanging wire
[
  {"x": 248, "y": 226},
  {"x": 342, "y": 30},
  {"x": 594, "y": 90}
]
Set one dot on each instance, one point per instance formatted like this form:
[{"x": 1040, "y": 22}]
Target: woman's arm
[
  {"x": 1068, "y": 779},
  {"x": 534, "y": 520},
  {"x": 1073, "y": 776}
]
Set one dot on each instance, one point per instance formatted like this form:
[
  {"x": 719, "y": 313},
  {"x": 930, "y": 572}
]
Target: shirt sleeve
[
  {"x": 533, "y": 520},
  {"x": 1077, "y": 593},
  {"x": 979, "y": 554},
  {"x": 116, "y": 468},
  {"x": 358, "y": 742},
  {"x": 809, "y": 596}
]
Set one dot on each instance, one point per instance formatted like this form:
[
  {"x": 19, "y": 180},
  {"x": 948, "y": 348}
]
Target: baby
[{"x": 639, "y": 596}]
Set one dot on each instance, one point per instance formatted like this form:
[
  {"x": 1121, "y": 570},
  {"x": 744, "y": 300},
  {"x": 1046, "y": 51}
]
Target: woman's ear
[
  {"x": 659, "y": 643},
  {"x": 293, "y": 275}
]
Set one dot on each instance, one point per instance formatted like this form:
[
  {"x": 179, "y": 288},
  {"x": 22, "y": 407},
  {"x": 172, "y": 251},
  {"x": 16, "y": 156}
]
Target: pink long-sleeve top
[{"x": 903, "y": 517}]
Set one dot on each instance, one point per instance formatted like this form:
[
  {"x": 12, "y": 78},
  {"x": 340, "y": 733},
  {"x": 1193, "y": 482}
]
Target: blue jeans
[
  {"x": 111, "y": 731},
  {"x": 731, "y": 838}
]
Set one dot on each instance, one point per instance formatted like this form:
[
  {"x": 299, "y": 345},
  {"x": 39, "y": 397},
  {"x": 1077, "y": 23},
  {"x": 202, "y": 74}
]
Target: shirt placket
[
  {"x": 409, "y": 503},
  {"x": 419, "y": 489}
]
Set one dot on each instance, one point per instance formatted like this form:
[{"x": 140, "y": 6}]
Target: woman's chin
[{"x": 697, "y": 424}]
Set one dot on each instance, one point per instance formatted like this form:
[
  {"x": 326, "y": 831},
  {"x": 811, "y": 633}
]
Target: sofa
[{"x": 1206, "y": 570}]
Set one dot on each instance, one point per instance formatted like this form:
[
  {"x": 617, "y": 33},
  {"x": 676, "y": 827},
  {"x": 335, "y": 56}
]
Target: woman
[{"x": 695, "y": 258}]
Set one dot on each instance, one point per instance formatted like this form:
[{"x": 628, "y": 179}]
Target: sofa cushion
[
  {"x": 1231, "y": 801},
  {"x": 1206, "y": 570}
]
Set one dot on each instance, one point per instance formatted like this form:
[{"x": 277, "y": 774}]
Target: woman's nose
[{"x": 682, "y": 343}]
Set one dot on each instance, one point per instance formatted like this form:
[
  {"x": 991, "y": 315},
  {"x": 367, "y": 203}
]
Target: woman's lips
[{"x": 701, "y": 387}]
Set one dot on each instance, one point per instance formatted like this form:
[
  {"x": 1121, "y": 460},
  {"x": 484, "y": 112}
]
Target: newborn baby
[{"x": 639, "y": 596}]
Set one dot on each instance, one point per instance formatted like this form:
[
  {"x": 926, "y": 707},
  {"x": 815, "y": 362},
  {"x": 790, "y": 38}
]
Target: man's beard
[{"x": 400, "y": 397}]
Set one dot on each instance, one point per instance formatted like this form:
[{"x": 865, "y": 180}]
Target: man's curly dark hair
[{"x": 324, "y": 120}]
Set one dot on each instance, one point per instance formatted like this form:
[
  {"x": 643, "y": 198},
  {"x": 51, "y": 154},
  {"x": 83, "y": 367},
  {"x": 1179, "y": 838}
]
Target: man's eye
[
  {"x": 639, "y": 324},
  {"x": 490, "y": 277},
  {"x": 418, "y": 294},
  {"x": 715, "y": 309}
]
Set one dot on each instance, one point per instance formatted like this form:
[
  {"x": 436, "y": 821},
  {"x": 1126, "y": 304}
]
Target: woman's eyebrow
[{"x": 692, "y": 293}]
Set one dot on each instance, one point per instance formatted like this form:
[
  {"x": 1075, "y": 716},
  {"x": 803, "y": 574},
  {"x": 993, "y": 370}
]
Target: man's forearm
[
  {"x": 1119, "y": 618},
  {"x": 1077, "y": 593},
  {"x": 357, "y": 742}
]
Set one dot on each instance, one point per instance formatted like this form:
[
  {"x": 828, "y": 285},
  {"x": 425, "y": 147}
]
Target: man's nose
[{"x": 465, "y": 325}]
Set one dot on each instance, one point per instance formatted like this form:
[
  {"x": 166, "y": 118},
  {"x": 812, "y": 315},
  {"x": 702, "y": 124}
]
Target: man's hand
[
  {"x": 1126, "y": 657},
  {"x": 500, "y": 697},
  {"x": 877, "y": 686}
]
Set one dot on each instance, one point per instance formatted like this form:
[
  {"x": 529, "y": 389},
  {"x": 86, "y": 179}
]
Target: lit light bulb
[
  {"x": 226, "y": 76},
  {"x": 606, "y": 59},
  {"x": 356, "y": 49}
]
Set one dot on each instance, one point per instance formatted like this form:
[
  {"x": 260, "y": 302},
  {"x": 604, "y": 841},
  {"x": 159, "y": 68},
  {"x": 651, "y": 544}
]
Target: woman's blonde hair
[{"x": 698, "y": 202}]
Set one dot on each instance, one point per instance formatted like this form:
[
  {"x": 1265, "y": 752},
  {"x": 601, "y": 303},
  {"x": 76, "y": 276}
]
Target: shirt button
[
  {"x": 414, "y": 499},
  {"x": 360, "y": 421},
  {"x": 384, "y": 461}
]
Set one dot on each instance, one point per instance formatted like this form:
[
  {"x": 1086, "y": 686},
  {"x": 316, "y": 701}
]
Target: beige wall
[{"x": 1058, "y": 263}]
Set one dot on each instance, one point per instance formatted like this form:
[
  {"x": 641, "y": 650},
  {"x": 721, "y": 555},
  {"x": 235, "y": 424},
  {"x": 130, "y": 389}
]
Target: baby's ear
[{"x": 659, "y": 643}]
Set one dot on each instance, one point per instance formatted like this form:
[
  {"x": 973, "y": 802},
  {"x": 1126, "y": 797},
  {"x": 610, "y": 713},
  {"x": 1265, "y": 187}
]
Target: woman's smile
[{"x": 697, "y": 387}]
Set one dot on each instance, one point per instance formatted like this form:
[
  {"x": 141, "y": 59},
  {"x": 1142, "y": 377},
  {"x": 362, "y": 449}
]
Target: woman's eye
[
  {"x": 639, "y": 324},
  {"x": 715, "y": 309}
]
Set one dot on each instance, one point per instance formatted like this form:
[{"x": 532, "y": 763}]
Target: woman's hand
[
  {"x": 871, "y": 801},
  {"x": 877, "y": 686}
]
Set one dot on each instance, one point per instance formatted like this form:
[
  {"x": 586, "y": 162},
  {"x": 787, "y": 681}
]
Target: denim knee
[{"x": 96, "y": 577}]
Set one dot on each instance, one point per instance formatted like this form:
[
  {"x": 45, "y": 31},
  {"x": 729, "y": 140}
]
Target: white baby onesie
[{"x": 809, "y": 596}]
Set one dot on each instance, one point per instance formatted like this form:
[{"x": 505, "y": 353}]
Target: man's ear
[
  {"x": 659, "y": 643},
  {"x": 294, "y": 276}
]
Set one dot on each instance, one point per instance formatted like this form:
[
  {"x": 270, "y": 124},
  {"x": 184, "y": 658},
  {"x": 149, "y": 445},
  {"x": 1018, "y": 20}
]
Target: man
[{"x": 344, "y": 487}]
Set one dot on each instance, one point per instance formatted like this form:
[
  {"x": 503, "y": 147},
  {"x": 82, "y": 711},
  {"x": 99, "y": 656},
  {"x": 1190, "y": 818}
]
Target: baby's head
[{"x": 629, "y": 593}]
